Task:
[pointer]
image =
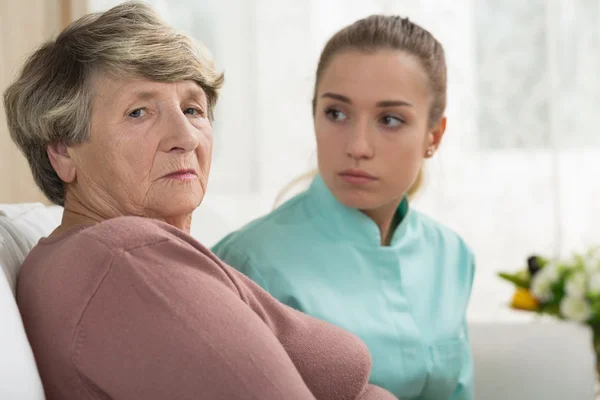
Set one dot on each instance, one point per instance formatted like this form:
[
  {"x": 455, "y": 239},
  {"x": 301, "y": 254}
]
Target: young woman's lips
[{"x": 357, "y": 177}]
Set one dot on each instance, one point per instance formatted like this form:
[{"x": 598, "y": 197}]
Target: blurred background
[{"x": 518, "y": 172}]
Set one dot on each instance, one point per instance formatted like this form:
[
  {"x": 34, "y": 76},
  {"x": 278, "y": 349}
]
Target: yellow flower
[{"x": 524, "y": 300}]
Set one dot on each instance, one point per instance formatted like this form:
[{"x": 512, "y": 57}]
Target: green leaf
[
  {"x": 517, "y": 279},
  {"x": 542, "y": 262},
  {"x": 595, "y": 305},
  {"x": 551, "y": 309}
]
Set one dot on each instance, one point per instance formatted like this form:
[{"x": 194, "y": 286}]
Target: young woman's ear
[{"x": 434, "y": 137}]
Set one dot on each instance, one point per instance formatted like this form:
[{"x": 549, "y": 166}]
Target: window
[{"x": 537, "y": 66}]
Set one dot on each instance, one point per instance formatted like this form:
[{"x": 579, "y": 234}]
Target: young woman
[{"x": 350, "y": 250}]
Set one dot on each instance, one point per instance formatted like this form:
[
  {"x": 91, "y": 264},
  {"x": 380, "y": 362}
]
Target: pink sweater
[{"x": 135, "y": 309}]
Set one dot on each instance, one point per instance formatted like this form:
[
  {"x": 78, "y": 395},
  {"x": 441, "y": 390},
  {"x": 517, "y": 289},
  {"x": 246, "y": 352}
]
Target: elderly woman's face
[{"x": 149, "y": 150}]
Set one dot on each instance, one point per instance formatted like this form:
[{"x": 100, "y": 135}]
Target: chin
[
  {"x": 178, "y": 204},
  {"x": 358, "y": 200}
]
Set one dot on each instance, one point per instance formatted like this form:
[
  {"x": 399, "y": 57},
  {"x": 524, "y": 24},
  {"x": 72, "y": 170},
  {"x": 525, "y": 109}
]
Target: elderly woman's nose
[{"x": 180, "y": 135}]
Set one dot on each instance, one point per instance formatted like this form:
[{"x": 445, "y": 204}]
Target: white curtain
[{"x": 518, "y": 171}]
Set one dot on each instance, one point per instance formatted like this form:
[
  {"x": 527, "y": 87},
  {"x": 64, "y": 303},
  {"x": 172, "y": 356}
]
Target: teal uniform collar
[{"x": 351, "y": 223}]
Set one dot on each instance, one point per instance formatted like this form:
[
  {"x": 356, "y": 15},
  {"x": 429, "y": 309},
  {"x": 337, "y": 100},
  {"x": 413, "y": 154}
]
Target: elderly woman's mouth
[{"x": 182, "y": 174}]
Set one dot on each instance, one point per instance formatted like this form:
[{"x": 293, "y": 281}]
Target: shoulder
[
  {"x": 94, "y": 248},
  {"x": 127, "y": 233},
  {"x": 90, "y": 251},
  {"x": 151, "y": 245},
  {"x": 439, "y": 233},
  {"x": 445, "y": 240},
  {"x": 452, "y": 258},
  {"x": 145, "y": 247}
]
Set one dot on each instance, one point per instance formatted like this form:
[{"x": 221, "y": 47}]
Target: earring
[{"x": 429, "y": 153}]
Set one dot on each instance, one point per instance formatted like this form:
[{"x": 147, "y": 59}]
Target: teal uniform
[{"x": 406, "y": 301}]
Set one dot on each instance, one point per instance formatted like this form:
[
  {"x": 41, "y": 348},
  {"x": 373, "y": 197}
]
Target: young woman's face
[{"x": 372, "y": 126}]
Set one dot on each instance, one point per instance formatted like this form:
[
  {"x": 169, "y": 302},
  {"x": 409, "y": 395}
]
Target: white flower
[
  {"x": 552, "y": 271},
  {"x": 576, "y": 285},
  {"x": 575, "y": 309},
  {"x": 594, "y": 283},
  {"x": 541, "y": 288},
  {"x": 541, "y": 285}
]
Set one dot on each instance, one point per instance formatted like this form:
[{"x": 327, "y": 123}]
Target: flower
[
  {"x": 576, "y": 285},
  {"x": 565, "y": 288},
  {"x": 541, "y": 285},
  {"x": 523, "y": 300},
  {"x": 575, "y": 309}
]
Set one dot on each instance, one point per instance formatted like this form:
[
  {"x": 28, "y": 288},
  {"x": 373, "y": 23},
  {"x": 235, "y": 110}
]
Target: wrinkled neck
[{"x": 77, "y": 213}]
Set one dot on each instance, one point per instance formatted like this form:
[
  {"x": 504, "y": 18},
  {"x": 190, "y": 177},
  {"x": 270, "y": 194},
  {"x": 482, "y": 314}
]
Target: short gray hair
[{"x": 51, "y": 99}]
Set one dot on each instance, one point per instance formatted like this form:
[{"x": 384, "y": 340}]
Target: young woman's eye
[
  {"x": 391, "y": 121},
  {"x": 335, "y": 114},
  {"x": 138, "y": 113}
]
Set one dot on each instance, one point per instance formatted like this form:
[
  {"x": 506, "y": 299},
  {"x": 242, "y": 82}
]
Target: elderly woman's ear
[{"x": 62, "y": 161}]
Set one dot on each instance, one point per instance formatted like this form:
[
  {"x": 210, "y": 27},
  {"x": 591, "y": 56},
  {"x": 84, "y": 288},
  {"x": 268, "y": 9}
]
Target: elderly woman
[{"x": 114, "y": 117}]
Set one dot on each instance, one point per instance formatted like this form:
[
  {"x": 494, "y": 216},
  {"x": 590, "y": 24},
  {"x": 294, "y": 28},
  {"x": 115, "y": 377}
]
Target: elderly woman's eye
[
  {"x": 137, "y": 113},
  {"x": 193, "y": 112}
]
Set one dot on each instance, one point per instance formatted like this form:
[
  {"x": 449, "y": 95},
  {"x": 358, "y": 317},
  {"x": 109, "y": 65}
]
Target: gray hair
[{"x": 51, "y": 99}]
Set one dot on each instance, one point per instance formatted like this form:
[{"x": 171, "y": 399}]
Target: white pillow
[
  {"x": 19, "y": 378},
  {"x": 21, "y": 226}
]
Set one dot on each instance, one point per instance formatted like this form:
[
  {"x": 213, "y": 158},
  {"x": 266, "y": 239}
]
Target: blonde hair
[
  {"x": 380, "y": 32},
  {"x": 51, "y": 99}
]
